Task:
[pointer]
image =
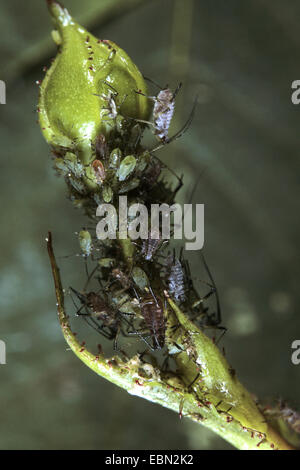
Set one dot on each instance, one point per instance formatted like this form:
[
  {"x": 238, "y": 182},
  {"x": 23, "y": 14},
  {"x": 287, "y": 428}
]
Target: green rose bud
[{"x": 90, "y": 87}]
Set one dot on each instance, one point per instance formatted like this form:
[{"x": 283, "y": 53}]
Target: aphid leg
[
  {"x": 219, "y": 316},
  {"x": 142, "y": 336},
  {"x": 86, "y": 266},
  {"x": 149, "y": 123},
  {"x": 179, "y": 178},
  {"x": 78, "y": 309},
  {"x": 89, "y": 277},
  {"x": 153, "y": 295},
  {"x": 93, "y": 323},
  {"x": 224, "y": 329},
  {"x": 87, "y": 316}
]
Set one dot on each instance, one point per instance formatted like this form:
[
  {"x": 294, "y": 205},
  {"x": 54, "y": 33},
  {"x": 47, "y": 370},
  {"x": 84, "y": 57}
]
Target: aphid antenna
[
  {"x": 110, "y": 86},
  {"x": 154, "y": 83},
  {"x": 177, "y": 90},
  {"x": 181, "y": 131},
  {"x": 192, "y": 195},
  {"x": 154, "y": 98},
  {"x": 219, "y": 316}
]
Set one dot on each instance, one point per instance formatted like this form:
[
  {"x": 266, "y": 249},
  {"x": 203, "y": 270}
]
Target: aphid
[
  {"x": 85, "y": 242},
  {"x": 212, "y": 319},
  {"x": 151, "y": 245},
  {"x": 120, "y": 276},
  {"x": 110, "y": 98},
  {"x": 105, "y": 318},
  {"x": 150, "y": 177},
  {"x": 286, "y": 413},
  {"x": 101, "y": 147},
  {"x": 99, "y": 171},
  {"x": 138, "y": 277},
  {"x": 162, "y": 113},
  {"x": 68, "y": 166},
  {"x": 153, "y": 313},
  {"x": 168, "y": 140},
  {"x": 291, "y": 417},
  {"x": 181, "y": 288},
  {"x": 163, "y": 110},
  {"x": 111, "y": 104},
  {"x": 97, "y": 309},
  {"x": 176, "y": 279}
]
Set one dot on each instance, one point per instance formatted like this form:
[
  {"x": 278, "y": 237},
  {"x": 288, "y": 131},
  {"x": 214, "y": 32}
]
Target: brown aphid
[
  {"x": 153, "y": 314},
  {"x": 152, "y": 174},
  {"x": 99, "y": 171},
  {"x": 120, "y": 276},
  {"x": 101, "y": 147},
  {"x": 99, "y": 307},
  {"x": 99, "y": 310}
]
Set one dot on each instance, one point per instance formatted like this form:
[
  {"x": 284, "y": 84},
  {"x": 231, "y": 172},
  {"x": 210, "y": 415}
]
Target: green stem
[{"x": 216, "y": 399}]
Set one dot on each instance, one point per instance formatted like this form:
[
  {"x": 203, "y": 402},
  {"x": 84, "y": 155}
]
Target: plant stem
[{"x": 200, "y": 403}]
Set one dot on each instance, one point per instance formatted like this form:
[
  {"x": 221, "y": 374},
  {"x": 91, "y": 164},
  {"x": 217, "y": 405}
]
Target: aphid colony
[
  {"x": 129, "y": 299},
  {"x": 126, "y": 282},
  {"x": 119, "y": 164}
]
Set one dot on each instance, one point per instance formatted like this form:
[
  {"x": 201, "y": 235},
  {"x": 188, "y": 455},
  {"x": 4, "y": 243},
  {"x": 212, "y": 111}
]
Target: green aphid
[
  {"x": 85, "y": 242},
  {"x": 127, "y": 166},
  {"x": 98, "y": 198},
  {"x": 77, "y": 184},
  {"x": 107, "y": 193},
  {"x": 61, "y": 166},
  {"x": 73, "y": 164},
  {"x": 143, "y": 160},
  {"x": 121, "y": 124},
  {"x": 115, "y": 158},
  {"x": 107, "y": 262},
  {"x": 69, "y": 165},
  {"x": 140, "y": 278}
]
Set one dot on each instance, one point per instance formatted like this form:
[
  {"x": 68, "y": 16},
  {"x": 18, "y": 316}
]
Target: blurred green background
[{"x": 242, "y": 146}]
